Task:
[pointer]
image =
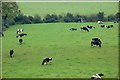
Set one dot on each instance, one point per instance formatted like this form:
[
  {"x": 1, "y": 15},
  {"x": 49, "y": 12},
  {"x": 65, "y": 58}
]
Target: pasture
[
  {"x": 82, "y": 8},
  {"x": 73, "y": 57}
]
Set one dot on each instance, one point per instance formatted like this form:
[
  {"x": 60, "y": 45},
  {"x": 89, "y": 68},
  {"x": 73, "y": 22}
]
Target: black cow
[
  {"x": 109, "y": 26},
  {"x": 84, "y": 28},
  {"x": 95, "y": 43},
  {"x": 11, "y": 53},
  {"x": 102, "y": 26},
  {"x": 73, "y": 29},
  {"x": 97, "y": 39},
  {"x": 97, "y": 76},
  {"x": 20, "y": 41},
  {"x": 21, "y": 35},
  {"x": 46, "y": 61}
]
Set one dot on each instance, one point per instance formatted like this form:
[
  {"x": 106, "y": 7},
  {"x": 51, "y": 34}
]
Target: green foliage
[{"x": 9, "y": 12}]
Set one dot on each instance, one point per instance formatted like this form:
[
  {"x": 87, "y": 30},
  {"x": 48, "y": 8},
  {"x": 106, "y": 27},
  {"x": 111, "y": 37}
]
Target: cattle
[
  {"x": 11, "y": 53},
  {"x": 47, "y": 60},
  {"x": 84, "y": 28},
  {"x": 21, "y": 35},
  {"x": 97, "y": 76},
  {"x": 19, "y": 31},
  {"x": 102, "y": 26},
  {"x": 90, "y": 27},
  {"x": 1, "y": 34},
  {"x": 73, "y": 29},
  {"x": 100, "y": 22},
  {"x": 20, "y": 41},
  {"x": 96, "y": 41},
  {"x": 109, "y": 26}
]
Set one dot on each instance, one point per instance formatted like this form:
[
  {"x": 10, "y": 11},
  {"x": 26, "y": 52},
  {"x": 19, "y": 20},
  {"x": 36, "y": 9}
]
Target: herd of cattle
[{"x": 95, "y": 41}]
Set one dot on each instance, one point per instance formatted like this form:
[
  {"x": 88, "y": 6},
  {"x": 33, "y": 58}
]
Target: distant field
[
  {"x": 83, "y": 8},
  {"x": 73, "y": 57}
]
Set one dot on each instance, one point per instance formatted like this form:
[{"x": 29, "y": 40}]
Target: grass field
[
  {"x": 83, "y": 8},
  {"x": 73, "y": 57}
]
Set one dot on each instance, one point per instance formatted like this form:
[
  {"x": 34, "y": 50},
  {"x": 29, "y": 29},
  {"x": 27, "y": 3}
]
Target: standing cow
[
  {"x": 85, "y": 28},
  {"x": 11, "y": 53}
]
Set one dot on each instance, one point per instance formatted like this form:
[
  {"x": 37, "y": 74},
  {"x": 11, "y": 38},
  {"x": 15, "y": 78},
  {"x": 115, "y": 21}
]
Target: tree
[
  {"x": 69, "y": 17},
  {"x": 9, "y": 12},
  {"x": 100, "y": 16}
]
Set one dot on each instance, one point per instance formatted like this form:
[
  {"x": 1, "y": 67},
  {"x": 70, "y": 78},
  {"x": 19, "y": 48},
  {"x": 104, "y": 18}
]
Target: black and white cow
[
  {"x": 96, "y": 41},
  {"x": 109, "y": 26},
  {"x": 85, "y": 28},
  {"x": 19, "y": 31},
  {"x": 90, "y": 27},
  {"x": 11, "y": 53},
  {"x": 97, "y": 76},
  {"x": 73, "y": 29},
  {"x": 21, "y": 35},
  {"x": 47, "y": 60}
]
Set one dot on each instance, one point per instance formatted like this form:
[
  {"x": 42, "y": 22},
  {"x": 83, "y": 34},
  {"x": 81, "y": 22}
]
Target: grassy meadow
[
  {"x": 73, "y": 57},
  {"x": 83, "y": 8}
]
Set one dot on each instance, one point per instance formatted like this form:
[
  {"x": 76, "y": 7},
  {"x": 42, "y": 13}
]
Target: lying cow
[
  {"x": 97, "y": 76},
  {"x": 73, "y": 29},
  {"x": 11, "y": 53},
  {"x": 46, "y": 61},
  {"x": 85, "y": 28}
]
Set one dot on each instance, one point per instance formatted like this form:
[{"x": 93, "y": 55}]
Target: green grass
[
  {"x": 73, "y": 57},
  {"x": 83, "y": 8}
]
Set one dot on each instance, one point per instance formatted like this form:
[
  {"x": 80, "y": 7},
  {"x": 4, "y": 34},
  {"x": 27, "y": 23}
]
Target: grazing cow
[
  {"x": 73, "y": 29},
  {"x": 46, "y": 61},
  {"x": 109, "y": 26},
  {"x": 97, "y": 39},
  {"x": 84, "y": 28},
  {"x": 102, "y": 26},
  {"x": 95, "y": 43},
  {"x": 90, "y": 27},
  {"x": 2, "y": 35},
  {"x": 97, "y": 76},
  {"x": 11, "y": 53},
  {"x": 21, "y": 35},
  {"x": 20, "y": 41}
]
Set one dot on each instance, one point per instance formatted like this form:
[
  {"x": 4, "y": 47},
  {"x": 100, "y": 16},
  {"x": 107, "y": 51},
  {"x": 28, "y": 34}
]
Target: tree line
[{"x": 11, "y": 15}]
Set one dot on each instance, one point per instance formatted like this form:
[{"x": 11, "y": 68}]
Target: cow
[
  {"x": 109, "y": 26},
  {"x": 73, "y": 29},
  {"x": 102, "y": 26},
  {"x": 84, "y": 28},
  {"x": 11, "y": 53},
  {"x": 20, "y": 40},
  {"x": 47, "y": 60},
  {"x": 95, "y": 43},
  {"x": 19, "y": 31},
  {"x": 96, "y": 39},
  {"x": 90, "y": 27},
  {"x": 97, "y": 76},
  {"x": 21, "y": 35},
  {"x": 100, "y": 22}
]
